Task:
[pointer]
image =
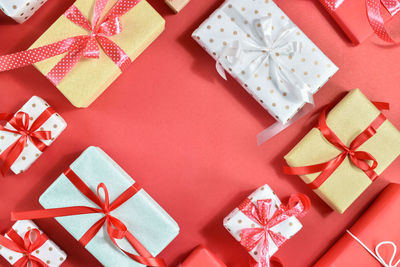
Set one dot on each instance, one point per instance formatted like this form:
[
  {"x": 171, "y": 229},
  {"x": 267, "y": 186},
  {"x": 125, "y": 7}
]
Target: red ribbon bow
[
  {"x": 21, "y": 124},
  {"x": 298, "y": 206},
  {"x": 374, "y": 14},
  {"x": 80, "y": 46},
  {"x": 360, "y": 159},
  {"x": 32, "y": 240},
  {"x": 115, "y": 228}
]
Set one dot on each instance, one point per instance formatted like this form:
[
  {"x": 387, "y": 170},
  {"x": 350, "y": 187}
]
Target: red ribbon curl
[
  {"x": 360, "y": 159},
  {"x": 78, "y": 47},
  {"x": 116, "y": 229},
  {"x": 298, "y": 206},
  {"x": 21, "y": 124},
  {"x": 32, "y": 241}
]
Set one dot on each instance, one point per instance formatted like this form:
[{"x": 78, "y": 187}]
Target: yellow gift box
[
  {"x": 90, "y": 77},
  {"x": 349, "y": 118}
]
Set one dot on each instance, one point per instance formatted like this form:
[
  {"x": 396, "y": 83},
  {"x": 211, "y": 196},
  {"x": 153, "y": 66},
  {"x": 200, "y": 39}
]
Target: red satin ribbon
[
  {"x": 116, "y": 229},
  {"x": 360, "y": 159},
  {"x": 298, "y": 206},
  {"x": 374, "y": 14},
  {"x": 78, "y": 47},
  {"x": 21, "y": 126},
  {"x": 32, "y": 241}
]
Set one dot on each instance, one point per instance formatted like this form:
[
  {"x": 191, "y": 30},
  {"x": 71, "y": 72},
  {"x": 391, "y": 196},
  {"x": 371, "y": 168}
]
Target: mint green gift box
[{"x": 144, "y": 218}]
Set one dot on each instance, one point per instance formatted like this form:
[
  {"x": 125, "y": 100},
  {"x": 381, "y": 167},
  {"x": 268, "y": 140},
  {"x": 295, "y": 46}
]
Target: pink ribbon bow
[
  {"x": 298, "y": 206},
  {"x": 82, "y": 46}
]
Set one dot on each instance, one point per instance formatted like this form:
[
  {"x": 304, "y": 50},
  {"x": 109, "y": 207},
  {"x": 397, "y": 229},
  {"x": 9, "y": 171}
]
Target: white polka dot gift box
[
  {"x": 26, "y": 245},
  {"x": 261, "y": 223},
  {"x": 27, "y": 134},
  {"x": 20, "y": 10},
  {"x": 259, "y": 46}
]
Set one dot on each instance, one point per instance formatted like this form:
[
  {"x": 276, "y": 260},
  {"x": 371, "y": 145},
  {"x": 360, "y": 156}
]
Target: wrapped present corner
[
  {"x": 100, "y": 205},
  {"x": 84, "y": 51},
  {"x": 263, "y": 215},
  {"x": 27, "y": 134},
  {"x": 176, "y": 5},
  {"x": 373, "y": 239},
  {"x": 20, "y": 10},
  {"x": 359, "y": 19},
  {"x": 26, "y": 245},
  {"x": 202, "y": 257},
  {"x": 345, "y": 153},
  {"x": 273, "y": 60}
]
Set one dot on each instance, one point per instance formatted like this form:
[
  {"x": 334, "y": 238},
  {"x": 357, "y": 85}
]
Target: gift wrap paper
[
  {"x": 176, "y": 5},
  {"x": 347, "y": 120},
  {"x": 379, "y": 223},
  {"x": 49, "y": 252},
  {"x": 90, "y": 77},
  {"x": 144, "y": 218},
  {"x": 202, "y": 257},
  {"x": 235, "y": 20},
  {"x": 20, "y": 10},
  {"x": 55, "y": 124},
  {"x": 236, "y": 221}
]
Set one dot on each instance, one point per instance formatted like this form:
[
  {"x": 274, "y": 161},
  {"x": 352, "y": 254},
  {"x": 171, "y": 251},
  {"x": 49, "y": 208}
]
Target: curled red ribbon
[
  {"x": 298, "y": 206},
  {"x": 21, "y": 124},
  {"x": 32, "y": 241},
  {"x": 78, "y": 47},
  {"x": 116, "y": 229},
  {"x": 360, "y": 159},
  {"x": 374, "y": 14}
]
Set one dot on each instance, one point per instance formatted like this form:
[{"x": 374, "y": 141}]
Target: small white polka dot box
[
  {"x": 55, "y": 124},
  {"x": 20, "y": 10},
  {"x": 49, "y": 253},
  {"x": 258, "y": 45},
  {"x": 237, "y": 221}
]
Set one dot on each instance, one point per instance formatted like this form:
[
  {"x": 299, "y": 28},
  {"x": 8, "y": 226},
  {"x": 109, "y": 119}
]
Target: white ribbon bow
[
  {"x": 264, "y": 49},
  {"x": 377, "y": 255}
]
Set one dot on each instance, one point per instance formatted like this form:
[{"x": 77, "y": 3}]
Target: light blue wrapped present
[{"x": 144, "y": 218}]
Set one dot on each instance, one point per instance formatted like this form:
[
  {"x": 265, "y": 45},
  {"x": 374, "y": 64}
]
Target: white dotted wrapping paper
[
  {"x": 56, "y": 124},
  {"x": 49, "y": 252},
  {"x": 236, "y": 221},
  {"x": 20, "y": 10},
  {"x": 222, "y": 29}
]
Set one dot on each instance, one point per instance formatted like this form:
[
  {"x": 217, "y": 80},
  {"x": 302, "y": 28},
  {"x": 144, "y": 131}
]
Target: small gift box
[
  {"x": 176, "y": 5},
  {"x": 259, "y": 46},
  {"x": 26, "y": 245},
  {"x": 263, "y": 215},
  {"x": 88, "y": 47},
  {"x": 353, "y": 16},
  {"x": 201, "y": 257},
  {"x": 100, "y": 205},
  {"x": 372, "y": 240},
  {"x": 347, "y": 151},
  {"x": 20, "y": 10},
  {"x": 27, "y": 134}
]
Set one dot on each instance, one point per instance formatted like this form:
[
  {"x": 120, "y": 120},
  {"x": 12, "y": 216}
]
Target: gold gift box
[
  {"x": 347, "y": 120},
  {"x": 90, "y": 77}
]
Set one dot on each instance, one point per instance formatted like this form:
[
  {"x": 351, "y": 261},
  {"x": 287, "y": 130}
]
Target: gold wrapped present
[
  {"x": 91, "y": 76},
  {"x": 367, "y": 138}
]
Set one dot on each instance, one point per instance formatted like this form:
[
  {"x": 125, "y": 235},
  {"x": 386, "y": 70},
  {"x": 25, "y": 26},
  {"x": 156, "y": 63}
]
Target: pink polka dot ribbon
[
  {"x": 374, "y": 14},
  {"x": 77, "y": 47}
]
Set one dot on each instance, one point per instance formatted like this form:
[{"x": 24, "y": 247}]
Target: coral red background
[{"x": 188, "y": 136}]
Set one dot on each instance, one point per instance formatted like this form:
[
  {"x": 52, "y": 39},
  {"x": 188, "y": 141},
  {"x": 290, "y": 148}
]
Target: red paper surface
[
  {"x": 379, "y": 223},
  {"x": 352, "y": 17},
  {"x": 189, "y": 137},
  {"x": 202, "y": 257}
]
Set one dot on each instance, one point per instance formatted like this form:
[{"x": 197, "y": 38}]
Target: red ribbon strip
[
  {"x": 359, "y": 158},
  {"x": 78, "y": 47},
  {"x": 374, "y": 14},
  {"x": 298, "y": 206},
  {"x": 21, "y": 124},
  {"x": 116, "y": 229},
  {"x": 32, "y": 241}
]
